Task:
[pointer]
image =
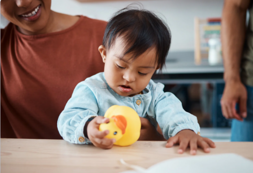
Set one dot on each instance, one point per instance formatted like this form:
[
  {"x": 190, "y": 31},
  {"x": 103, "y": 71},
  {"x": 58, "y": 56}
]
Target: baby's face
[{"x": 125, "y": 76}]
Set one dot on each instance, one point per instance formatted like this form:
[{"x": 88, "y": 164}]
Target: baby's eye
[
  {"x": 115, "y": 133},
  {"x": 143, "y": 74},
  {"x": 120, "y": 67}
]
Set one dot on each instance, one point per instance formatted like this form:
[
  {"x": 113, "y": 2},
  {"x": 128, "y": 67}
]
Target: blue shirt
[{"x": 93, "y": 97}]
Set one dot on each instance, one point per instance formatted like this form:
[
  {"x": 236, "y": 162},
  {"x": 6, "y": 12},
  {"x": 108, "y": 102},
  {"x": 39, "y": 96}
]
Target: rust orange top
[{"x": 39, "y": 73}]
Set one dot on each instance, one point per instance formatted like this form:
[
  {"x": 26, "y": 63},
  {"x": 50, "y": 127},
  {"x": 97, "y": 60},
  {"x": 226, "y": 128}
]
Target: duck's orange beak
[{"x": 120, "y": 121}]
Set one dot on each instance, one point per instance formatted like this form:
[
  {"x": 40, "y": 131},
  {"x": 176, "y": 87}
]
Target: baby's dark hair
[{"x": 141, "y": 30}]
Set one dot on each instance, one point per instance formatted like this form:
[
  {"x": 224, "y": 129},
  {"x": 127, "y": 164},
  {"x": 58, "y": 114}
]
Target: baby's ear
[{"x": 102, "y": 51}]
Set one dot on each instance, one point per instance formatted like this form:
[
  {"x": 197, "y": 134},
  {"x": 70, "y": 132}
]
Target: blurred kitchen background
[{"x": 194, "y": 67}]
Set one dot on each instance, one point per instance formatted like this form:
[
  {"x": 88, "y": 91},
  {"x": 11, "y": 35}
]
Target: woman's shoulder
[
  {"x": 95, "y": 24},
  {"x": 88, "y": 28}
]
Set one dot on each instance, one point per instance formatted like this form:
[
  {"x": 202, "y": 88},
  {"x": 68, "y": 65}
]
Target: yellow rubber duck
[{"x": 124, "y": 125}]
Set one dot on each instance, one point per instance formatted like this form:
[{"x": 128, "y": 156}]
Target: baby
[{"x": 135, "y": 45}]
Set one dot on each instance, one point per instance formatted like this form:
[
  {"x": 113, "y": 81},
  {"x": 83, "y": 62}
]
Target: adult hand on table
[
  {"x": 97, "y": 137},
  {"x": 234, "y": 92}
]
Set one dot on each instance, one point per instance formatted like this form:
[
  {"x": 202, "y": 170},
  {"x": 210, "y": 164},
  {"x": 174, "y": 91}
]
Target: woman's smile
[{"x": 32, "y": 15}]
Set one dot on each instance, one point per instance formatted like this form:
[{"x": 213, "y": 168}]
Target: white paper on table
[{"x": 219, "y": 163}]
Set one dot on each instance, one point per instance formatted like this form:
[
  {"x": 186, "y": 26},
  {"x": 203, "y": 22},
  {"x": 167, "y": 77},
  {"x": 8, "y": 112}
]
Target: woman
[{"x": 44, "y": 54}]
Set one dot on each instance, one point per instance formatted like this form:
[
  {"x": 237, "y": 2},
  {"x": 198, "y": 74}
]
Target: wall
[{"x": 178, "y": 14}]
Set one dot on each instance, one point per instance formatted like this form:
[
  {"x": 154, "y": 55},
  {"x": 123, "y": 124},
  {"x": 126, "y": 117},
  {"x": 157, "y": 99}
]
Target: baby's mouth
[{"x": 125, "y": 88}]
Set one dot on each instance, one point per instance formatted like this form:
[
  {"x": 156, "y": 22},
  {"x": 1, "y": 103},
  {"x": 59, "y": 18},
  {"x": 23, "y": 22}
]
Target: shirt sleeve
[
  {"x": 170, "y": 115},
  {"x": 81, "y": 106}
]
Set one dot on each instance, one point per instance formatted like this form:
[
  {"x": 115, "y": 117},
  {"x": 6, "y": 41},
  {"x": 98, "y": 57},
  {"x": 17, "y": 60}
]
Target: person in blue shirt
[{"x": 135, "y": 45}]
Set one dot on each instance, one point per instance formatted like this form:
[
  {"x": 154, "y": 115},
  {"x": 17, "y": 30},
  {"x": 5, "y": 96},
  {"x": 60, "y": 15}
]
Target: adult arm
[{"x": 233, "y": 31}]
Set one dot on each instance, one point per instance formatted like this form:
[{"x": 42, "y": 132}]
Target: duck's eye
[{"x": 115, "y": 133}]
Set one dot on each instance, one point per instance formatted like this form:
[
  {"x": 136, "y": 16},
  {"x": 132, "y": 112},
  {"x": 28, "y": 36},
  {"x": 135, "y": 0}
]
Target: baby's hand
[
  {"x": 187, "y": 138},
  {"x": 97, "y": 137}
]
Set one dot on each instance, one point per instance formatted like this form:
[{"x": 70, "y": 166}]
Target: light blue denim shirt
[{"x": 93, "y": 97}]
